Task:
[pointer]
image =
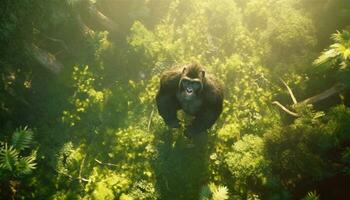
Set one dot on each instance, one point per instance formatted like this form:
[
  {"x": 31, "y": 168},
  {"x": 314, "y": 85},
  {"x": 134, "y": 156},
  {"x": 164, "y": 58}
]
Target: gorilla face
[
  {"x": 190, "y": 84},
  {"x": 189, "y": 91},
  {"x": 190, "y": 87}
]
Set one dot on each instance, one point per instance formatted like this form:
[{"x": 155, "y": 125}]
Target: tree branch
[
  {"x": 59, "y": 41},
  {"x": 325, "y": 94},
  {"x": 81, "y": 168},
  {"x": 109, "y": 24},
  {"x": 285, "y": 109},
  {"x": 83, "y": 27},
  {"x": 150, "y": 119},
  {"x": 104, "y": 163},
  {"x": 290, "y": 92},
  {"x": 72, "y": 177},
  {"x": 316, "y": 98},
  {"x": 46, "y": 59}
]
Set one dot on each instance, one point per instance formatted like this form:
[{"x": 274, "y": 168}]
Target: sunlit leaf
[
  {"x": 8, "y": 157},
  {"x": 22, "y": 138}
]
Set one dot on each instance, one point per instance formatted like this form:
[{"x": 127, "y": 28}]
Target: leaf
[
  {"x": 326, "y": 56},
  {"x": 336, "y": 36},
  {"x": 26, "y": 164},
  {"x": 311, "y": 196},
  {"x": 22, "y": 138},
  {"x": 8, "y": 157},
  {"x": 318, "y": 115},
  {"x": 346, "y": 54},
  {"x": 340, "y": 48},
  {"x": 221, "y": 193}
]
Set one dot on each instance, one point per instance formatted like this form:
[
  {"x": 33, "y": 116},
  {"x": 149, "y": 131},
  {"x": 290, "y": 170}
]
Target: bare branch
[
  {"x": 59, "y": 41},
  {"x": 290, "y": 92},
  {"x": 81, "y": 168},
  {"x": 150, "y": 119},
  {"x": 72, "y": 177},
  {"x": 285, "y": 109},
  {"x": 323, "y": 95},
  {"x": 104, "y": 163}
]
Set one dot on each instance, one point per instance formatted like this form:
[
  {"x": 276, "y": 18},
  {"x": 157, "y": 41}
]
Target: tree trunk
[
  {"x": 109, "y": 24},
  {"x": 83, "y": 27},
  {"x": 325, "y": 94},
  {"x": 46, "y": 59}
]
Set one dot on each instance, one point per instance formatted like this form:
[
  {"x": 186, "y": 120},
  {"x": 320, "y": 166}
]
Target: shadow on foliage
[{"x": 181, "y": 167}]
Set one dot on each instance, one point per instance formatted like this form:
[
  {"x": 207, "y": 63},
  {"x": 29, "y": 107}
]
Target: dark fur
[{"x": 206, "y": 107}]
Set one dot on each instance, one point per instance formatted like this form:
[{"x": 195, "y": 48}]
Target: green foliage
[
  {"x": 213, "y": 192},
  {"x": 107, "y": 177},
  {"x": 246, "y": 158},
  {"x": 13, "y": 162},
  {"x": 100, "y": 136},
  {"x": 142, "y": 190},
  {"x": 346, "y": 160},
  {"x": 27, "y": 164},
  {"x": 300, "y": 152},
  {"x": 86, "y": 95},
  {"x": 337, "y": 57},
  {"x": 22, "y": 138},
  {"x": 8, "y": 157},
  {"x": 249, "y": 97},
  {"x": 311, "y": 196},
  {"x": 339, "y": 52},
  {"x": 247, "y": 164}
]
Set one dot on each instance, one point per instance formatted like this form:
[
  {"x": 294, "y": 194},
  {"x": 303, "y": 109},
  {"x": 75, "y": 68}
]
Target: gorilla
[{"x": 194, "y": 91}]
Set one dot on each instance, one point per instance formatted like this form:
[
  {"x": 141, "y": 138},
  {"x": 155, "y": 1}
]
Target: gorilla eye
[
  {"x": 196, "y": 85},
  {"x": 185, "y": 82}
]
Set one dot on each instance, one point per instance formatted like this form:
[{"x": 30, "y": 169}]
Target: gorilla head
[{"x": 191, "y": 84}]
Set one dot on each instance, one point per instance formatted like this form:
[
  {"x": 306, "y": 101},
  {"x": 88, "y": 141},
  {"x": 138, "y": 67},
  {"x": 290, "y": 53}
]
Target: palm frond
[
  {"x": 27, "y": 164},
  {"x": 341, "y": 37},
  {"x": 337, "y": 52},
  {"x": 221, "y": 193},
  {"x": 339, "y": 48},
  {"x": 326, "y": 56},
  {"x": 346, "y": 54},
  {"x": 336, "y": 37},
  {"x": 22, "y": 138},
  {"x": 8, "y": 157},
  {"x": 311, "y": 196}
]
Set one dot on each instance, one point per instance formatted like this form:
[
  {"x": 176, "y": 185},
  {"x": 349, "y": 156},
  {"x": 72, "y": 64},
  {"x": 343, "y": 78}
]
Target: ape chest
[{"x": 190, "y": 106}]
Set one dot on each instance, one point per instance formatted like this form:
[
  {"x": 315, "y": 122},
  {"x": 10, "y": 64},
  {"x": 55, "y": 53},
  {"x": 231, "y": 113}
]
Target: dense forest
[{"x": 78, "y": 118}]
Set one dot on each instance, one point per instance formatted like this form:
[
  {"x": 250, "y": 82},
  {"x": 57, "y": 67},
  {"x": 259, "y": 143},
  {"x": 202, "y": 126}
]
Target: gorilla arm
[
  {"x": 212, "y": 108},
  {"x": 203, "y": 121},
  {"x": 167, "y": 102}
]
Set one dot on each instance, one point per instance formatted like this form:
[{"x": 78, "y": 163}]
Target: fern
[
  {"x": 337, "y": 52},
  {"x": 8, "y": 157},
  {"x": 22, "y": 138},
  {"x": 311, "y": 196},
  {"x": 213, "y": 192},
  {"x": 221, "y": 193},
  {"x": 326, "y": 56},
  {"x": 12, "y": 163},
  {"x": 27, "y": 164}
]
